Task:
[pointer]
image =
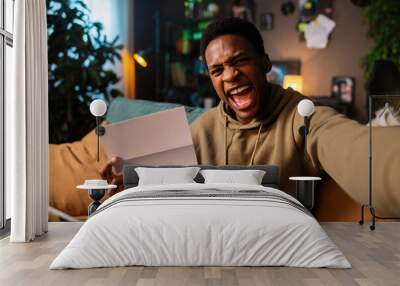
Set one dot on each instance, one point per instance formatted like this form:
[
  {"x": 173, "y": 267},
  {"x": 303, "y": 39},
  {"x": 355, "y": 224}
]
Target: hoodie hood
[{"x": 271, "y": 105}]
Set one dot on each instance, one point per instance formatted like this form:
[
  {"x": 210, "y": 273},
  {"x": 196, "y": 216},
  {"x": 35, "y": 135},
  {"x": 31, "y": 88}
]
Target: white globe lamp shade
[
  {"x": 305, "y": 108},
  {"x": 98, "y": 107}
]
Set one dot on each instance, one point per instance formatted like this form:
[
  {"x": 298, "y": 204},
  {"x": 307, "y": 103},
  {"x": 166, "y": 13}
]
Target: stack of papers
[{"x": 161, "y": 138}]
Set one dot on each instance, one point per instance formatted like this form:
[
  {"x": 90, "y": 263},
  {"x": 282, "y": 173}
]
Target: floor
[{"x": 375, "y": 257}]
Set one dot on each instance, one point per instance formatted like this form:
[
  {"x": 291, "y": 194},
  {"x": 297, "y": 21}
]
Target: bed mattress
[{"x": 201, "y": 225}]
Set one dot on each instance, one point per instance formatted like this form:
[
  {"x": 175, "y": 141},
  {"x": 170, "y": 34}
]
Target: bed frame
[{"x": 270, "y": 179}]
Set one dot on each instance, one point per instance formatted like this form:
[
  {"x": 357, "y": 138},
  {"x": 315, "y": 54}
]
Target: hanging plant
[
  {"x": 79, "y": 56},
  {"x": 383, "y": 20}
]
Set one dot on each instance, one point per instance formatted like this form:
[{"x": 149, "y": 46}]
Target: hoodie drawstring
[
  {"x": 255, "y": 145},
  {"x": 225, "y": 143},
  {"x": 226, "y": 147}
]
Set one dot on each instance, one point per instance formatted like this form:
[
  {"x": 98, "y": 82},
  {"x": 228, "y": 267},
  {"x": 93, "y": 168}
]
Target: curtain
[{"x": 27, "y": 123}]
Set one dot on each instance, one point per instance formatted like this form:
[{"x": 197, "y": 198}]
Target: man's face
[{"x": 237, "y": 72}]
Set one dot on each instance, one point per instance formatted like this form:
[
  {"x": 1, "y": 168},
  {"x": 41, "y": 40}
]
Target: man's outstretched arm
[{"x": 340, "y": 147}]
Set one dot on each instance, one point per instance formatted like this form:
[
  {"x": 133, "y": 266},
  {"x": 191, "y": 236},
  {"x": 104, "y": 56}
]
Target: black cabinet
[{"x": 334, "y": 102}]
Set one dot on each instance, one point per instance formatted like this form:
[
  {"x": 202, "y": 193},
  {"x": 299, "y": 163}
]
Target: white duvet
[{"x": 183, "y": 231}]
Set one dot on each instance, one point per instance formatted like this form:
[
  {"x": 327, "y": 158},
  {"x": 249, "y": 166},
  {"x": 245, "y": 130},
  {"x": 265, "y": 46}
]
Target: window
[
  {"x": 9, "y": 13},
  {"x": 6, "y": 44}
]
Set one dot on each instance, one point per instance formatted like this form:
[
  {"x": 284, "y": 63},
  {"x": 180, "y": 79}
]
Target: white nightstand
[{"x": 96, "y": 190}]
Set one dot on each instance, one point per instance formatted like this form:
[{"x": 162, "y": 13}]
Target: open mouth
[{"x": 241, "y": 97}]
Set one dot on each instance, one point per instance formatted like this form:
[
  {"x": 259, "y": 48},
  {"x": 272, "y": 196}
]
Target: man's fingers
[
  {"x": 106, "y": 172},
  {"x": 117, "y": 180},
  {"x": 117, "y": 165}
]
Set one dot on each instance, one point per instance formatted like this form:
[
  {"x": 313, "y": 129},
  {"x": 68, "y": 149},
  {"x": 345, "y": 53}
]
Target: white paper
[
  {"x": 317, "y": 32},
  {"x": 315, "y": 36},
  {"x": 326, "y": 22},
  {"x": 161, "y": 138}
]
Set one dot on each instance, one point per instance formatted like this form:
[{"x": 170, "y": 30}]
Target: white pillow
[
  {"x": 248, "y": 177},
  {"x": 163, "y": 176}
]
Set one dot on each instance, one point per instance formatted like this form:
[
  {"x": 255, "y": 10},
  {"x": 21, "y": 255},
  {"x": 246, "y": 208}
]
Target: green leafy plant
[
  {"x": 383, "y": 20},
  {"x": 80, "y": 58}
]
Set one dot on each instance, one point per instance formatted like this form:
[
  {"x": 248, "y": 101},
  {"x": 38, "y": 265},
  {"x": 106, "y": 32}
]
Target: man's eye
[
  {"x": 216, "y": 72},
  {"x": 241, "y": 61}
]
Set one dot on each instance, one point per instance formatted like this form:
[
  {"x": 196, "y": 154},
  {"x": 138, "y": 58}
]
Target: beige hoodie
[{"x": 335, "y": 144}]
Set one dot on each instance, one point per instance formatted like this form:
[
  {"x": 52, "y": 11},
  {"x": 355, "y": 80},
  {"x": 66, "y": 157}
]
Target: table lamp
[
  {"x": 293, "y": 81},
  {"x": 98, "y": 108},
  {"x": 305, "y": 108},
  {"x": 96, "y": 188}
]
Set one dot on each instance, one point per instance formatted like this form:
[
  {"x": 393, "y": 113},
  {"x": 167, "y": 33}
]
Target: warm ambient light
[
  {"x": 293, "y": 81},
  {"x": 140, "y": 60}
]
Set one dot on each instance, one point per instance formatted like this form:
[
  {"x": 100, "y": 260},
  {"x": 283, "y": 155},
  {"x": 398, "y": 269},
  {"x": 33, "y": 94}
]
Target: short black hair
[{"x": 235, "y": 26}]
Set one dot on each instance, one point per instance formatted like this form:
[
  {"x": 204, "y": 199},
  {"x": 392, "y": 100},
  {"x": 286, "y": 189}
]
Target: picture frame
[
  {"x": 281, "y": 68},
  {"x": 244, "y": 9},
  {"x": 267, "y": 21},
  {"x": 343, "y": 88}
]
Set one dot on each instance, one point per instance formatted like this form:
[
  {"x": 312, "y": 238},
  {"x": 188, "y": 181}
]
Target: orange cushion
[{"x": 333, "y": 204}]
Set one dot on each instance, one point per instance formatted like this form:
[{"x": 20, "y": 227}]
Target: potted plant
[{"x": 78, "y": 54}]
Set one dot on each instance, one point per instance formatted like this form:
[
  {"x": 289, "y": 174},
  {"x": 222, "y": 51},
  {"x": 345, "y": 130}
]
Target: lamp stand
[
  {"x": 305, "y": 193},
  {"x": 303, "y": 131},
  {"x": 96, "y": 195},
  {"x": 100, "y": 131},
  {"x": 369, "y": 205}
]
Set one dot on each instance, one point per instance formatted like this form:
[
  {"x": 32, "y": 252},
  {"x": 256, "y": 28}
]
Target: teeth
[{"x": 239, "y": 90}]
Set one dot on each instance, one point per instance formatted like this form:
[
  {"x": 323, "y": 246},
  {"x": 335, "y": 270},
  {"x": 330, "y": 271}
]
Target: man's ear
[
  {"x": 267, "y": 63},
  {"x": 203, "y": 60}
]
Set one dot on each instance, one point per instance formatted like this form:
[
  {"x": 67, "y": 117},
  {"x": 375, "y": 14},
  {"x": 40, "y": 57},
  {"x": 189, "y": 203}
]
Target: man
[{"x": 256, "y": 122}]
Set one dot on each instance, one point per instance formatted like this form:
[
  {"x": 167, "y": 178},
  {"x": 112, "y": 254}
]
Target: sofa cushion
[{"x": 122, "y": 108}]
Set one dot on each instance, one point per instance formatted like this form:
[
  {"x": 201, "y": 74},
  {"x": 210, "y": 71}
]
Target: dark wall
[
  {"x": 144, "y": 34},
  {"x": 171, "y": 13}
]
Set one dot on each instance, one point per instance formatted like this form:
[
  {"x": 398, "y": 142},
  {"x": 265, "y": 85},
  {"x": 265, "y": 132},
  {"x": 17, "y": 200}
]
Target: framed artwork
[
  {"x": 267, "y": 21},
  {"x": 281, "y": 68},
  {"x": 244, "y": 9},
  {"x": 343, "y": 87}
]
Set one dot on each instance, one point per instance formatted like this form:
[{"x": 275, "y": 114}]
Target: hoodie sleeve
[{"x": 340, "y": 146}]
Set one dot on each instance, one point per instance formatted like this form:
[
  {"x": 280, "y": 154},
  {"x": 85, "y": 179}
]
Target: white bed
[{"x": 201, "y": 224}]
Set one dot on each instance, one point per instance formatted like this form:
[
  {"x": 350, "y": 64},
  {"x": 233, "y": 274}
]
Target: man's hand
[{"x": 108, "y": 172}]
